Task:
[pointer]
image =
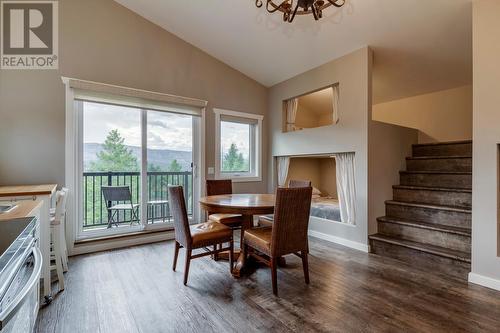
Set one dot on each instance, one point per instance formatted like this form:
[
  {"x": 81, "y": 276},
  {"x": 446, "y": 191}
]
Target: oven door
[{"x": 22, "y": 299}]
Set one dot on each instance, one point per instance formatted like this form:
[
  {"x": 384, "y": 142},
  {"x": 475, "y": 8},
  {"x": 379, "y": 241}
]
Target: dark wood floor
[{"x": 135, "y": 290}]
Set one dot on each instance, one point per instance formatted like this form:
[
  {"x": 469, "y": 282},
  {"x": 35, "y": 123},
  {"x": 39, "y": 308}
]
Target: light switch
[{"x": 211, "y": 170}]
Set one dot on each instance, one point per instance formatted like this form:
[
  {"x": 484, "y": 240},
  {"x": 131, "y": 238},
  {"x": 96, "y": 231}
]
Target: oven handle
[{"x": 16, "y": 304}]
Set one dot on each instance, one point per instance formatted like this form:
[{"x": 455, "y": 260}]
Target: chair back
[
  {"x": 294, "y": 183},
  {"x": 219, "y": 187},
  {"x": 61, "y": 199},
  {"x": 291, "y": 220},
  {"x": 178, "y": 209},
  {"x": 116, "y": 193}
]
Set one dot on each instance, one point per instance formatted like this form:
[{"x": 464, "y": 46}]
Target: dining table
[
  {"x": 248, "y": 205},
  {"x": 46, "y": 194}
]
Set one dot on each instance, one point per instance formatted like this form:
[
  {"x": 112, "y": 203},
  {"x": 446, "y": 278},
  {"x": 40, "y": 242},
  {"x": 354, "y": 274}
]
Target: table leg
[
  {"x": 240, "y": 263},
  {"x": 45, "y": 247}
]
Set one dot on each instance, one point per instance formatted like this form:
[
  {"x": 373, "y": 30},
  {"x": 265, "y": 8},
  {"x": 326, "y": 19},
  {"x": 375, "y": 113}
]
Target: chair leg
[
  {"x": 215, "y": 255},
  {"x": 56, "y": 248},
  {"x": 305, "y": 265},
  {"x": 176, "y": 255},
  {"x": 110, "y": 219},
  {"x": 186, "y": 269},
  {"x": 231, "y": 254},
  {"x": 64, "y": 250},
  {"x": 274, "y": 275},
  {"x": 241, "y": 238}
]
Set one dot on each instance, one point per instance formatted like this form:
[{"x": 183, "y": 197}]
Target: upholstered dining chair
[
  {"x": 197, "y": 236},
  {"x": 288, "y": 234},
  {"x": 267, "y": 220},
  {"x": 221, "y": 187}
]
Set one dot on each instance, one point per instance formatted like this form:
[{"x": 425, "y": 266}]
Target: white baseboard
[
  {"x": 484, "y": 281},
  {"x": 341, "y": 241},
  {"x": 110, "y": 244}
]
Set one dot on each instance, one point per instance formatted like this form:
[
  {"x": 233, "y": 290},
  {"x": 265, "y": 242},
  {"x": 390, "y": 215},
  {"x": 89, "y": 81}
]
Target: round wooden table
[{"x": 247, "y": 205}]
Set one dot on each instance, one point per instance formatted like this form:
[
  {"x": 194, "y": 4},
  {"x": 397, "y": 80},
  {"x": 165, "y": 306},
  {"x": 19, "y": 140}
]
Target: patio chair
[{"x": 119, "y": 199}]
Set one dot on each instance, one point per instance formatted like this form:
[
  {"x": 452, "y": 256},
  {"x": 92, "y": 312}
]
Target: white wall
[
  {"x": 439, "y": 116},
  {"x": 353, "y": 74},
  {"x": 486, "y": 128},
  {"x": 380, "y": 148}
]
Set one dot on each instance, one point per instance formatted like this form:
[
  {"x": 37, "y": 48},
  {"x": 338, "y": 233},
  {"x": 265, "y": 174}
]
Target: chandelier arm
[
  {"x": 294, "y": 13},
  {"x": 276, "y": 7},
  {"x": 258, "y": 3},
  {"x": 334, "y": 2}
]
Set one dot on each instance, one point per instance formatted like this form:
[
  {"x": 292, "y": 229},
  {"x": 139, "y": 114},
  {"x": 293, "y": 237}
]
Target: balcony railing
[{"x": 95, "y": 214}]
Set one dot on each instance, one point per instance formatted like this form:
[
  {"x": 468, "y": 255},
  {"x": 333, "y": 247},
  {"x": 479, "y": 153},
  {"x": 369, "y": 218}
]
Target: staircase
[{"x": 428, "y": 222}]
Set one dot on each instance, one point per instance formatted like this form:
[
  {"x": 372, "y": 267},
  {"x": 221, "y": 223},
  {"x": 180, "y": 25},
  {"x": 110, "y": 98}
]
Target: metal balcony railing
[{"x": 95, "y": 214}]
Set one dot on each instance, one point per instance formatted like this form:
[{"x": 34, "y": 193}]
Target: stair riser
[
  {"x": 451, "y": 165},
  {"x": 459, "y": 149},
  {"x": 443, "y": 198},
  {"x": 460, "y": 181},
  {"x": 422, "y": 260},
  {"x": 436, "y": 216},
  {"x": 426, "y": 236}
]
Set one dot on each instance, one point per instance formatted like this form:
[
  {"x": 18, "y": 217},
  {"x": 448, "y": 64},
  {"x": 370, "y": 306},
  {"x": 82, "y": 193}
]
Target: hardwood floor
[{"x": 135, "y": 290}]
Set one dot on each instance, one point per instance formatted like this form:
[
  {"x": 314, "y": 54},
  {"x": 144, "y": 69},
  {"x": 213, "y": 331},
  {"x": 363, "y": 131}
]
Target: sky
[{"x": 165, "y": 130}]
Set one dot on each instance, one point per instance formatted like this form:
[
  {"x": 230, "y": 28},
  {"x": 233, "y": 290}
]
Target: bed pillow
[
  {"x": 316, "y": 191},
  {"x": 316, "y": 196}
]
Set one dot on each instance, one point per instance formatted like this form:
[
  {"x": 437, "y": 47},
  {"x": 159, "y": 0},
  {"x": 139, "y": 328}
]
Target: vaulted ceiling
[{"x": 420, "y": 45}]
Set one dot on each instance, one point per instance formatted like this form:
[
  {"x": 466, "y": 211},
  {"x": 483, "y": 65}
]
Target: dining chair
[
  {"x": 288, "y": 234},
  {"x": 267, "y": 220},
  {"x": 197, "y": 236},
  {"x": 221, "y": 187},
  {"x": 119, "y": 199},
  {"x": 57, "y": 238}
]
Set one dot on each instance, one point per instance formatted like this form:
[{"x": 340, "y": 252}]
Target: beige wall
[
  {"x": 303, "y": 168},
  {"x": 327, "y": 169},
  {"x": 440, "y": 116},
  {"x": 105, "y": 42},
  {"x": 320, "y": 171},
  {"x": 485, "y": 228}
]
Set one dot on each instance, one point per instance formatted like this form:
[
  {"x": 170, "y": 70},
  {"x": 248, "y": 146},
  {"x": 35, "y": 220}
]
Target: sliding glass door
[{"x": 129, "y": 156}]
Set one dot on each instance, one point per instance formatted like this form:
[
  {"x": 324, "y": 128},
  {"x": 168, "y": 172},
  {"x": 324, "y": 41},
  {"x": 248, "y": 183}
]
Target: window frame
[
  {"x": 77, "y": 90},
  {"x": 255, "y": 173}
]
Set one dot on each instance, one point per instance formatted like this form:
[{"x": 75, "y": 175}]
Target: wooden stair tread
[
  {"x": 442, "y": 143},
  {"x": 424, "y": 188},
  {"x": 429, "y": 206},
  {"x": 429, "y": 226},
  {"x": 438, "y": 157},
  {"x": 435, "y": 250},
  {"x": 437, "y": 172}
]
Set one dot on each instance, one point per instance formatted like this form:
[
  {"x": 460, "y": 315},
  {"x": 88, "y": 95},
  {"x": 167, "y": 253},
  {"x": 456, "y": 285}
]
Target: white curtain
[
  {"x": 335, "y": 101},
  {"x": 346, "y": 187},
  {"x": 291, "y": 113},
  {"x": 283, "y": 162}
]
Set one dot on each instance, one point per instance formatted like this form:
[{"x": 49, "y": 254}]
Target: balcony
[{"x": 95, "y": 215}]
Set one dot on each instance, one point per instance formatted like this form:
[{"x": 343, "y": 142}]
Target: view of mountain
[{"x": 157, "y": 157}]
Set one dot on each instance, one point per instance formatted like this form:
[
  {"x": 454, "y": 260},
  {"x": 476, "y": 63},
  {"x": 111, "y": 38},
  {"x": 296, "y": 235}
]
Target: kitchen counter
[
  {"x": 23, "y": 208},
  {"x": 27, "y": 190}
]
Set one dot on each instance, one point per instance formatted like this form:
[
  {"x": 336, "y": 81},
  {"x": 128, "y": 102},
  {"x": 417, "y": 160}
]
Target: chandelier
[{"x": 290, "y": 8}]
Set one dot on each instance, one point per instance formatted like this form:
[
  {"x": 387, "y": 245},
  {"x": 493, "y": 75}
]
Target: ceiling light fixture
[{"x": 290, "y": 8}]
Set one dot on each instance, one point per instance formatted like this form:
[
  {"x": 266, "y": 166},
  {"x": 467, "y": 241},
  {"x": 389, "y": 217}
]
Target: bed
[{"x": 326, "y": 208}]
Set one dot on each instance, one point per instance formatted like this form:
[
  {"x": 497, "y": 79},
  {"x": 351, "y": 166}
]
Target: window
[
  {"x": 238, "y": 145},
  {"x": 129, "y": 145}
]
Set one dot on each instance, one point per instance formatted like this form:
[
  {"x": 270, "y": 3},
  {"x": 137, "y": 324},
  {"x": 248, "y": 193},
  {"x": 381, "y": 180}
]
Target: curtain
[
  {"x": 346, "y": 187},
  {"x": 335, "y": 101},
  {"x": 283, "y": 162},
  {"x": 291, "y": 113}
]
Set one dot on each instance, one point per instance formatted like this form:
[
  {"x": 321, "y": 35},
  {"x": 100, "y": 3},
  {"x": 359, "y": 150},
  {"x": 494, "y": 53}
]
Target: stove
[{"x": 20, "y": 267}]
